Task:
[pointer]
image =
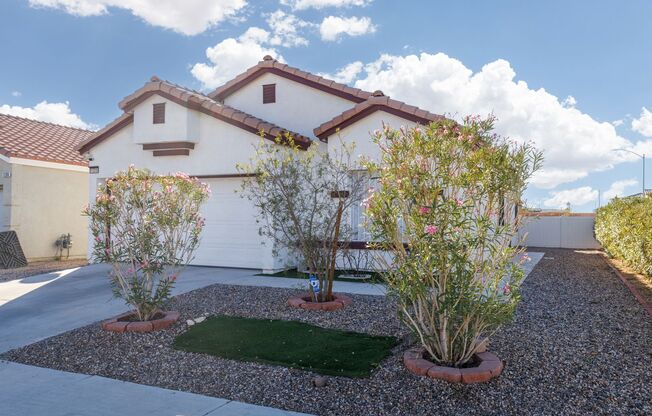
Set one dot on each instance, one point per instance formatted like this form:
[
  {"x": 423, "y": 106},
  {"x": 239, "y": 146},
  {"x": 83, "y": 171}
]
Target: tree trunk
[{"x": 335, "y": 242}]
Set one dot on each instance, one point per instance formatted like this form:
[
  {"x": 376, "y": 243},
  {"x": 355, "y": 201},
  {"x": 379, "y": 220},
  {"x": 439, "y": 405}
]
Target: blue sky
[{"x": 574, "y": 77}]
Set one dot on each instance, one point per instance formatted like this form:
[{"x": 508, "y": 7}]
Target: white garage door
[{"x": 230, "y": 236}]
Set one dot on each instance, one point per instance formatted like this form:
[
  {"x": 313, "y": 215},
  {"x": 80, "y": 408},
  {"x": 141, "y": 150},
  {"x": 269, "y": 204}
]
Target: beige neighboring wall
[{"x": 46, "y": 203}]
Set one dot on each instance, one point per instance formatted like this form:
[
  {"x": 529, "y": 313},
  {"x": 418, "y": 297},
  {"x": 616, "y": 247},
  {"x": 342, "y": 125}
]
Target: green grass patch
[
  {"x": 289, "y": 344},
  {"x": 295, "y": 274}
]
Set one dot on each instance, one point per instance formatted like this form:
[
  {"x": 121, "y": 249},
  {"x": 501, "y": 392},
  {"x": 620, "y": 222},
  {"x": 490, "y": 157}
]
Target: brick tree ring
[
  {"x": 490, "y": 366},
  {"x": 122, "y": 323},
  {"x": 305, "y": 302}
]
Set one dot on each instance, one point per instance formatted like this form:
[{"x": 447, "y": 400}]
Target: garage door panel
[{"x": 230, "y": 236}]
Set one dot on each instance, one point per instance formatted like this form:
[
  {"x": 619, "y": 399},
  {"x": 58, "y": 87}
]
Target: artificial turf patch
[{"x": 287, "y": 343}]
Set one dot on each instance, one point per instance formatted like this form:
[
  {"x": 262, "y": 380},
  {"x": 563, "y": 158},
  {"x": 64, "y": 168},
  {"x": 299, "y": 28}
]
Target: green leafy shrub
[
  {"x": 148, "y": 227},
  {"x": 624, "y": 228},
  {"x": 446, "y": 209}
]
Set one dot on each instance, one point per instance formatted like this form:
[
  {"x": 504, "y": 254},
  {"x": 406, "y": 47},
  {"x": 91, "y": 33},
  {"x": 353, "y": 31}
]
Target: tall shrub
[
  {"x": 624, "y": 228},
  {"x": 147, "y": 227},
  {"x": 446, "y": 207},
  {"x": 302, "y": 197}
]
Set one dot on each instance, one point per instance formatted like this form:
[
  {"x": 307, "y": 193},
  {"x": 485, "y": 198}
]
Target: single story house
[
  {"x": 166, "y": 128},
  {"x": 43, "y": 186}
]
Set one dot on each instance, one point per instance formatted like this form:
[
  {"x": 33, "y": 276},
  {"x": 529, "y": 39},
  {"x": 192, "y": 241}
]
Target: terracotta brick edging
[
  {"x": 490, "y": 366},
  {"x": 305, "y": 302},
  {"x": 116, "y": 324},
  {"x": 644, "y": 303}
]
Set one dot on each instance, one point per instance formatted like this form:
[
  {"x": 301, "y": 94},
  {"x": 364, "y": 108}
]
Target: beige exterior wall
[
  {"x": 5, "y": 195},
  {"x": 44, "y": 203}
]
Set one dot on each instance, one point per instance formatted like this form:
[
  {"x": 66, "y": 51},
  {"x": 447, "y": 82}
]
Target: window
[
  {"x": 158, "y": 113},
  {"x": 358, "y": 210},
  {"x": 269, "y": 93}
]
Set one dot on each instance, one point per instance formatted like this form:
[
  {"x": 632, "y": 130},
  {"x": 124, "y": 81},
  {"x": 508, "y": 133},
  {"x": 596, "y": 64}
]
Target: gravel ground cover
[
  {"x": 579, "y": 344},
  {"x": 39, "y": 267}
]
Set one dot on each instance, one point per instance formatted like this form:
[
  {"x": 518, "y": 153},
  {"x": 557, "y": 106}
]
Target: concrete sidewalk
[{"x": 33, "y": 391}]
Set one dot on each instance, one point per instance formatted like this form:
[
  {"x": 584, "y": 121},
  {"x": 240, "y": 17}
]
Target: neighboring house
[
  {"x": 43, "y": 185},
  {"x": 168, "y": 128}
]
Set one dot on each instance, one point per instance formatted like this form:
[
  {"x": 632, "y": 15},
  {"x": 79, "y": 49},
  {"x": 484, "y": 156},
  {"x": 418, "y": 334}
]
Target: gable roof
[
  {"x": 193, "y": 100},
  {"x": 377, "y": 102},
  {"x": 37, "y": 140},
  {"x": 270, "y": 65}
]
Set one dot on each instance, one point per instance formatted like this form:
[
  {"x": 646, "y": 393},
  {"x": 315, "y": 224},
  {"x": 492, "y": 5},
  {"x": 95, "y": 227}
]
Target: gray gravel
[{"x": 579, "y": 344}]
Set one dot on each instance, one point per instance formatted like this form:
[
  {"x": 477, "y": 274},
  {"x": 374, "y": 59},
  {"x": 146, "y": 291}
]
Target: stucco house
[
  {"x": 43, "y": 185},
  {"x": 166, "y": 128}
]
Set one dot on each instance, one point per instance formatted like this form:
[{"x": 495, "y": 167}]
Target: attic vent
[
  {"x": 269, "y": 93},
  {"x": 158, "y": 113}
]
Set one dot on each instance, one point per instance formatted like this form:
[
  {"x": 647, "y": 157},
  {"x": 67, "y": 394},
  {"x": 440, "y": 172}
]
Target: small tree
[
  {"x": 302, "y": 197},
  {"x": 148, "y": 228},
  {"x": 446, "y": 208}
]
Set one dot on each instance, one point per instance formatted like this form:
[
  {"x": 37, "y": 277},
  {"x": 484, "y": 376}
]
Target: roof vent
[
  {"x": 378, "y": 93},
  {"x": 268, "y": 58},
  {"x": 154, "y": 78}
]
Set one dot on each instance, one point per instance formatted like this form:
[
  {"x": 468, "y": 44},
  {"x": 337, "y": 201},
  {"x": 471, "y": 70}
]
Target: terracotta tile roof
[
  {"x": 196, "y": 101},
  {"x": 377, "y": 102},
  {"x": 38, "y": 140},
  {"x": 269, "y": 64}
]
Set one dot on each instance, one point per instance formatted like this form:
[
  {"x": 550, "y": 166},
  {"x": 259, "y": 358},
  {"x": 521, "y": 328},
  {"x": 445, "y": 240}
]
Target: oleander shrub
[
  {"x": 147, "y": 227},
  {"x": 624, "y": 228},
  {"x": 445, "y": 208}
]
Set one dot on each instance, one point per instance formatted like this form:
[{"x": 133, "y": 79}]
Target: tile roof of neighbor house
[
  {"x": 196, "y": 101},
  {"x": 376, "y": 102},
  {"x": 37, "y": 140},
  {"x": 269, "y": 64}
]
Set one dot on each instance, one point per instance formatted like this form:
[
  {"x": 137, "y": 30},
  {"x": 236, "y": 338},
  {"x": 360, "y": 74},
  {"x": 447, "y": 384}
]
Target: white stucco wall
[
  {"x": 298, "y": 107},
  {"x": 359, "y": 133},
  {"x": 180, "y": 124}
]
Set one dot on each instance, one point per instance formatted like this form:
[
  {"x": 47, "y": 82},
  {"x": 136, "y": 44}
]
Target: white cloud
[
  {"x": 347, "y": 73},
  {"x": 643, "y": 124},
  {"x": 284, "y": 27},
  {"x": 189, "y": 17},
  {"x": 320, "y": 4},
  {"x": 574, "y": 197},
  {"x": 618, "y": 123},
  {"x": 574, "y": 143},
  {"x": 618, "y": 188},
  {"x": 232, "y": 56},
  {"x": 16, "y": 93},
  {"x": 58, "y": 113},
  {"x": 332, "y": 28},
  {"x": 569, "y": 102}
]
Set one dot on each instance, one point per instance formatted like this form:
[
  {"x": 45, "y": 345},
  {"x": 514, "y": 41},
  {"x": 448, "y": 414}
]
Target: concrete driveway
[{"x": 38, "y": 307}]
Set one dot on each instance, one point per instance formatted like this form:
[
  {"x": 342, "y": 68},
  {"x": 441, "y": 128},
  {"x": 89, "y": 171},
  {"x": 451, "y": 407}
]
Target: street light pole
[{"x": 642, "y": 157}]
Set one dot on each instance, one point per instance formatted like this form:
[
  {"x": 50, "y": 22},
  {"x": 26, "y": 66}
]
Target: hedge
[{"x": 624, "y": 228}]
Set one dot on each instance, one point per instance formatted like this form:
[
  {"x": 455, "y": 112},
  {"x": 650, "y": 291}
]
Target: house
[
  {"x": 43, "y": 182},
  {"x": 166, "y": 128}
]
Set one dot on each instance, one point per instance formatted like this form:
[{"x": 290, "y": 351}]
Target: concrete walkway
[{"x": 33, "y": 391}]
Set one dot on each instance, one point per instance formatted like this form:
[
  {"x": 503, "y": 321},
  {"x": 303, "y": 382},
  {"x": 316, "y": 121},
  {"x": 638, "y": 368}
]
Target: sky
[{"x": 572, "y": 77}]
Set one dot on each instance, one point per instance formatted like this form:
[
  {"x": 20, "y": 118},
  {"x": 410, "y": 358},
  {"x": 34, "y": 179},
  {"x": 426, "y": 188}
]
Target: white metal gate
[{"x": 559, "y": 231}]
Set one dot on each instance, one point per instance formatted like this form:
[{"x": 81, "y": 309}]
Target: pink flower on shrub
[
  {"x": 431, "y": 229},
  {"x": 172, "y": 277},
  {"x": 424, "y": 210},
  {"x": 459, "y": 202},
  {"x": 507, "y": 289}
]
